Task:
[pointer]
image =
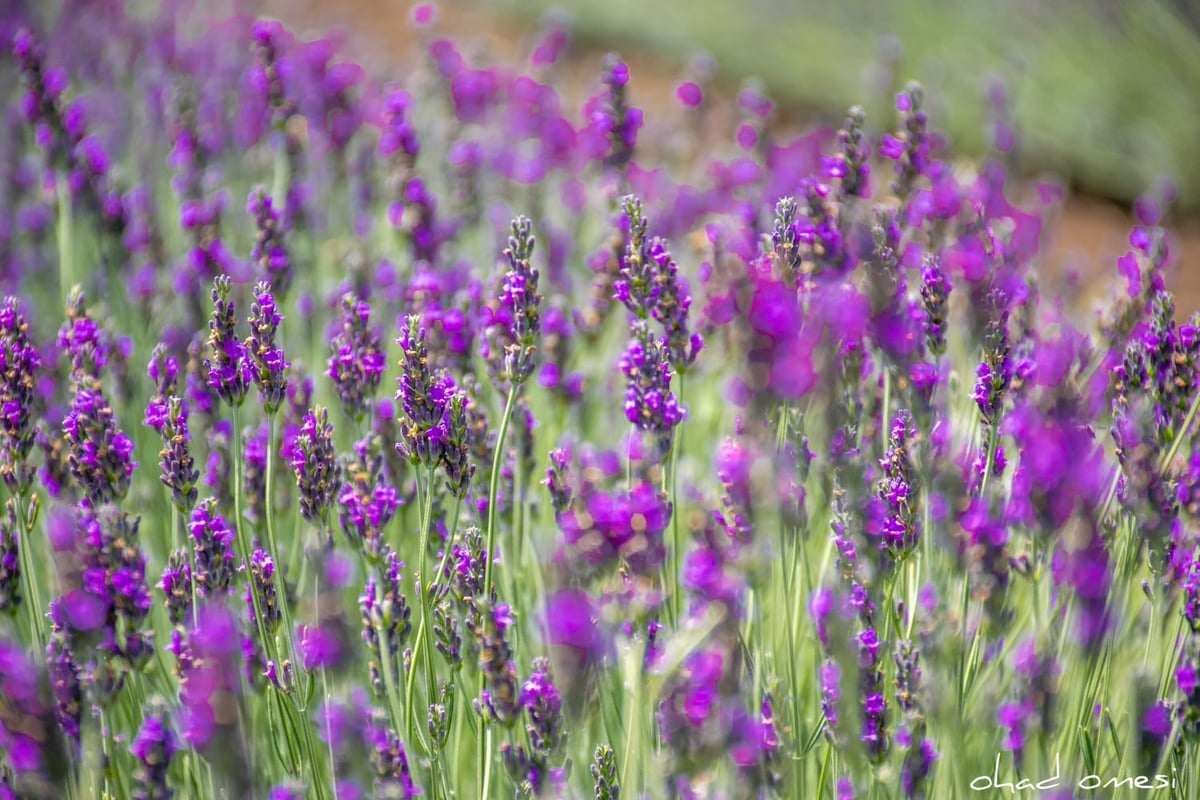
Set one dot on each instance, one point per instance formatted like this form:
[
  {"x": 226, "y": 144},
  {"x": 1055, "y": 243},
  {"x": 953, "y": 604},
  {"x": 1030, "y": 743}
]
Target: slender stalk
[
  {"x": 241, "y": 540},
  {"x": 389, "y": 686},
  {"x": 676, "y": 543},
  {"x": 33, "y": 598},
  {"x": 66, "y": 245},
  {"x": 485, "y": 758},
  {"x": 283, "y": 643},
  {"x": 632, "y": 760},
  {"x": 423, "y": 593},
  {"x": 485, "y": 743},
  {"x": 494, "y": 486}
]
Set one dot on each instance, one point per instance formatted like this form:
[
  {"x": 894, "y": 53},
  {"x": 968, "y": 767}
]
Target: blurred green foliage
[{"x": 1105, "y": 92}]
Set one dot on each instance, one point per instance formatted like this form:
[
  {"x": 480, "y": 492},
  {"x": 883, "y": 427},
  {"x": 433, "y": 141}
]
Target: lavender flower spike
[
  {"x": 385, "y": 618},
  {"x": 19, "y": 363},
  {"x": 270, "y": 253},
  {"x": 10, "y": 562},
  {"x": 318, "y": 473},
  {"x": 98, "y": 451},
  {"x": 897, "y": 490},
  {"x": 935, "y": 293},
  {"x": 394, "y": 779},
  {"x": 154, "y": 747},
  {"x": 358, "y": 361},
  {"x": 649, "y": 403},
  {"x": 179, "y": 473},
  {"x": 519, "y": 297},
  {"x": 269, "y": 364},
  {"x": 213, "y": 565},
  {"x": 230, "y": 371}
]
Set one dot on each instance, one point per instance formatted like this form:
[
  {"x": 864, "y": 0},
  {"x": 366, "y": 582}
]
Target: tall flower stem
[
  {"x": 632, "y": 760},
  {"x": 672, "y": 479},
  {"x": 389, "y": 686},
  {"x": 33, "y": 598},
  {"x": 240, "y": 538},
  {"x": 286, "y": 650},
  {"x": 494, "y": 487},
  {"x": 66, "y": 245},
  {"x": 485, "y": 743},
  {"x": 423, "y": 633}
]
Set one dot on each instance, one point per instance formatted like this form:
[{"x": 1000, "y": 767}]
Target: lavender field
[{"x": 438, "y": 432}]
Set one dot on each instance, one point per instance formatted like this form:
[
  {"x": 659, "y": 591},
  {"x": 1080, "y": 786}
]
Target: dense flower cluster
[
  {"x": 358, "y": 361},
  {"x": 913, "y": 492},
  {"x": 19, "y": 363}
]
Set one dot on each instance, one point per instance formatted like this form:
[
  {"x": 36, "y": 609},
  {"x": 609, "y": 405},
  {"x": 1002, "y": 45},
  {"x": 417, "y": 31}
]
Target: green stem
[
  {"x": 389, "y": 685},
  {"x": 284, "y": 645},
  {"x": 632, "y": 759},
  {"x": 494, "y": 487},
  {"x": 241, "y": 540},
  {"x": 485, "y": 742},
  {"x": 423, "y": 594},
  {"x": 676, "y": 544},
  {"x": 824, "y": 770},
  {"x": 33, "y": 598},
  {"x": 66, "y": 247},
  {"x": 485, "y": 758},
  {"x": 91, "y": 778},
  {"x": 1179, "y": 436}
]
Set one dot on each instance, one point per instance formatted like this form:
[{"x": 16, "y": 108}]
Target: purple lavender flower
[
  {"x": 25, "y": 738},
  {"x": 425, "y": 399},
  {"x": 213, "y": 538},
  {"x": 176, "y": 584},
  {"x": 358, "y": 361},
  {"x": 230, "y": 369},
  {"x": 831, "y": 691},
  {"x": 385, "y": 619},
  {"x": 511, "y": 337},
  {"x": 178, "y": 470},
  {"x": 935, "y": 293},
  {"x": 66, "y": 682},
  {"x": 209, "y": 657},
  {"x": 897, "y": 490},
  {"x": 499, "y": 701},
  {"x": 270, "y": 251},
  {"x": 61, "y": 130},
  {"x": 557, "y": 477},
  {"x": 82, "y": 339},
  {"x": 366, "y": 501},
  {"x": 315, "y": 463},
  {"x": 266, "y": 358},
  {"x": 291, "y": 790},
  {"x": 388, "y": 757},
  {"x": 850, "y": 166},
  {"x": 19, "y": 363},
  {"x": 649, "y": 286},
  {"x": 611, "y": 134},
  {"x": 918, "y": 765},
  {"x": 910, "y": 147},
  {"x": 650, "y": 405},
  {"x": 262, "y": 587},
  {"x": 113, "y": 578},
  {"x": 398, "y": 137},
  {"x": 536, "y": 768},
  {"x": 98, "y": 451},
  {"x": 154, "y": 747},
  {"x": 10, "y": 561},
  {"x": 416, "y": 214}
]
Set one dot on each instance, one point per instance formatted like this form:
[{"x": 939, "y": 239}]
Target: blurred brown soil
[{"x": 1084, "y": 242}]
